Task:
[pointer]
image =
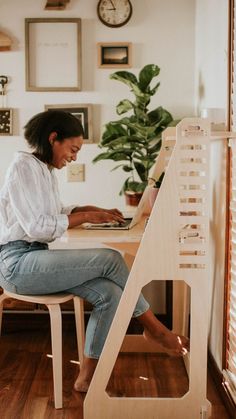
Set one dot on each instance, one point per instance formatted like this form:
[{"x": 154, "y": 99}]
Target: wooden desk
[
  {"x": 126, "y": 241},
  {"x": 182, "y": 201}
]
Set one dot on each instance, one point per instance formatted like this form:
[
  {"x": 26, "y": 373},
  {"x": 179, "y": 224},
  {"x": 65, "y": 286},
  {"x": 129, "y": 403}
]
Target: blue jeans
[{"x": 97, "y": 275}]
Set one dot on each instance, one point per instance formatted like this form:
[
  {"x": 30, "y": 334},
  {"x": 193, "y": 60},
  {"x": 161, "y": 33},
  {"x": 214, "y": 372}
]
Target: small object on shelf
[
  {"x": 56, "y": 4},
  {"x": 3, "y": 81},
  {"x": 5, "y": 42}
]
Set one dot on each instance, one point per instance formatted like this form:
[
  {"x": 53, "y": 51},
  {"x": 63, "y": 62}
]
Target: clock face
[{"x": 114, "y": 13}]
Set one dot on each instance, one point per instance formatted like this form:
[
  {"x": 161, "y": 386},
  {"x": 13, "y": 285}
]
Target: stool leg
[
  {"x": 2, "y": 298},
  {"x": 56, "y": 338},
  {"x": 79, "y": 323}
]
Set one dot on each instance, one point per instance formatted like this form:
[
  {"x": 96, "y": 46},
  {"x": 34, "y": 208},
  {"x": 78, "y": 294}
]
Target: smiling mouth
[{"x": 65, "y": 162}]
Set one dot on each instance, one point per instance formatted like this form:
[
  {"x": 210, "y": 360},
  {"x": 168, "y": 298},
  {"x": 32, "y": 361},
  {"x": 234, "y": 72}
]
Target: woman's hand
[
  {"x": 105, "y": 216},
  {"x": 114, "y": 211},
  {"x": 94, "y": 216}
]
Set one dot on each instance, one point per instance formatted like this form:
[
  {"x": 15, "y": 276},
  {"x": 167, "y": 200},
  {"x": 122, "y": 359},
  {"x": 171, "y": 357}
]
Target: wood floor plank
[
  {"x": 26, "y": 383},
  {"x": 15, "y": 383}
]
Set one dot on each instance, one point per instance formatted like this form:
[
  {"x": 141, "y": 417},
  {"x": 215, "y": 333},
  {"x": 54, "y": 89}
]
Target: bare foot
[
  {"x": 81, "y": 385},
  {"x": 169, "y": 342},
  {"x": 86, "y": 374}
]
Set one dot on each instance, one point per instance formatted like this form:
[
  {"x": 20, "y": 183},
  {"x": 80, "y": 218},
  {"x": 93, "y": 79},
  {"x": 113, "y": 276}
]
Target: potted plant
[
  {"x": 135, "y": 140},
  {"x": 155, "y": 186}
]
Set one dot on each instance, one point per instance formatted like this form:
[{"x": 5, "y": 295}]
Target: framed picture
[
  {"x": 83, "y": 112},
  {"x": 53, "y": 54},
  {"x": 114, "y": 55},
  {"x": 6, "y": 116}
]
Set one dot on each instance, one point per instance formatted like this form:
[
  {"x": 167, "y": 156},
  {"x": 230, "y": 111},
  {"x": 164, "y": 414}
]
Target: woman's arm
[{"x": 96, "y": 209}]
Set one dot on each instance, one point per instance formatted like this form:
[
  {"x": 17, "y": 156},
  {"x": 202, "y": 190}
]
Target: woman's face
[{"x": 65, "y": 151}]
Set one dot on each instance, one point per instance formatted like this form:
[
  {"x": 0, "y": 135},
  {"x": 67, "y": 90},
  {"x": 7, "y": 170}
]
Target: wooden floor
[{"x": 26, "y": 387}]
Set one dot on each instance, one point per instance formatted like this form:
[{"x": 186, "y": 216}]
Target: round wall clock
[{"x": 114, "y": 13}]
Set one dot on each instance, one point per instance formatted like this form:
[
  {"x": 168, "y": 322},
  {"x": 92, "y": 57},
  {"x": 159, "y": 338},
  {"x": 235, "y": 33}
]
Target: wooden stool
[{"x": 53, "y": 301}]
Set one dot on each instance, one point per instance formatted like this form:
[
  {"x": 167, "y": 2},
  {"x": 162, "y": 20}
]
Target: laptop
[{"x": 129, "y": 221}]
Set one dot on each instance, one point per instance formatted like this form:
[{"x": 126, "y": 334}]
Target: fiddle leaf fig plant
[{"x": 134, "y": 140}]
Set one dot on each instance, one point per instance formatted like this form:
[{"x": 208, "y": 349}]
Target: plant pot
[
  {"x": 152, "y": 196},
  {"x": 132, "y": 198}
]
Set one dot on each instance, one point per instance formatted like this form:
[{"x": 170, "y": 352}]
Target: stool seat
[
  {"x": 53, "y": 301},
  {"x": 57, "y": 298}
]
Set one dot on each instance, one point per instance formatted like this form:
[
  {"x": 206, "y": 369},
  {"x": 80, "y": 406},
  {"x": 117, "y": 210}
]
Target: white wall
[
  {"x": 211, "y": 92},
  {"x": 211, "y": 54},
  {"x": 162, "y": 32}
]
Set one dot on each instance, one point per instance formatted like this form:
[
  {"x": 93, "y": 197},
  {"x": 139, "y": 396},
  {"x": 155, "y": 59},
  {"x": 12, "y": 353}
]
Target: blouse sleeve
[
  {"x": 30, "y": 200},
  {"x": 67, "y": 210},
  {"x": 63, "y": 209}
]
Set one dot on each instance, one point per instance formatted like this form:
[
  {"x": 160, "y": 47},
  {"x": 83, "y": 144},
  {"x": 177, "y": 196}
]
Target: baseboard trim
[{"x": 217, "y": 377}]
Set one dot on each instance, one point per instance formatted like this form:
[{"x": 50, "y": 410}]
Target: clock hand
[{"x": 112, "y": 5}]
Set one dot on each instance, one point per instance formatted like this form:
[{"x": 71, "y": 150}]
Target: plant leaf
[
  {"x": 154, "y": 89},
  {"x": 135, "y": 186},
  {"x": 141, "y": 170},
  {"x": 125, "y": 77},
  {"x": 146, "y": 75},
  {"x": 117, "y": 155},
  {"x": 124, "y": 106}
]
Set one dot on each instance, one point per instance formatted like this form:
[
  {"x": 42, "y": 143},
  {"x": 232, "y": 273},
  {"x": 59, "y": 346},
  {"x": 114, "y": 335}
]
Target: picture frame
[
  {"x": 81, "y": 111},
  {"x": 6, "y": 121},
  {"x": 53, "y": 54},
  {"x": 114, "y": 54}
]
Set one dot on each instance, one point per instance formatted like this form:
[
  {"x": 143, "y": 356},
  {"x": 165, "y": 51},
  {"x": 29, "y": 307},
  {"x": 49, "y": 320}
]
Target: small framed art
[
  {"x": 6, "y": 116},
  {"x": 83, "y": 112},
  {"x": 114, "y": 54},
  {"x": 53, "y": 54}
]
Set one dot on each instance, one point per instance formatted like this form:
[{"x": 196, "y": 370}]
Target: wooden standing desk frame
[
  {"x": 192, "y": 405},
  {"x": 174, "y": 246},
  {"x": 169, "y": 205}
]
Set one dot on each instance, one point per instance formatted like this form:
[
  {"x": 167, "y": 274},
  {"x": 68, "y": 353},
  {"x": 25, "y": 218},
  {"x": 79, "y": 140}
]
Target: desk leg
[
  {"x": 181, "y": 307},
  {"x": 136, "y": 343},
  {"x": 129, "y": 259}
]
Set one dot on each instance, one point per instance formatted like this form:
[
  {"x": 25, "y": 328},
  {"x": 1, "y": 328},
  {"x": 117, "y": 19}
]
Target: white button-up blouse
[{"x": 30, "y": 207}]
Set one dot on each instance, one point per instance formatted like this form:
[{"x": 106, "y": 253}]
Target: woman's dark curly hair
[{"x": 39, "y": 128}]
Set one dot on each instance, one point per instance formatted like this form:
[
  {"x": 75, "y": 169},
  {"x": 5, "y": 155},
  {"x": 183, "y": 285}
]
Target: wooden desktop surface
[{"x": 80, "y": 238}]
